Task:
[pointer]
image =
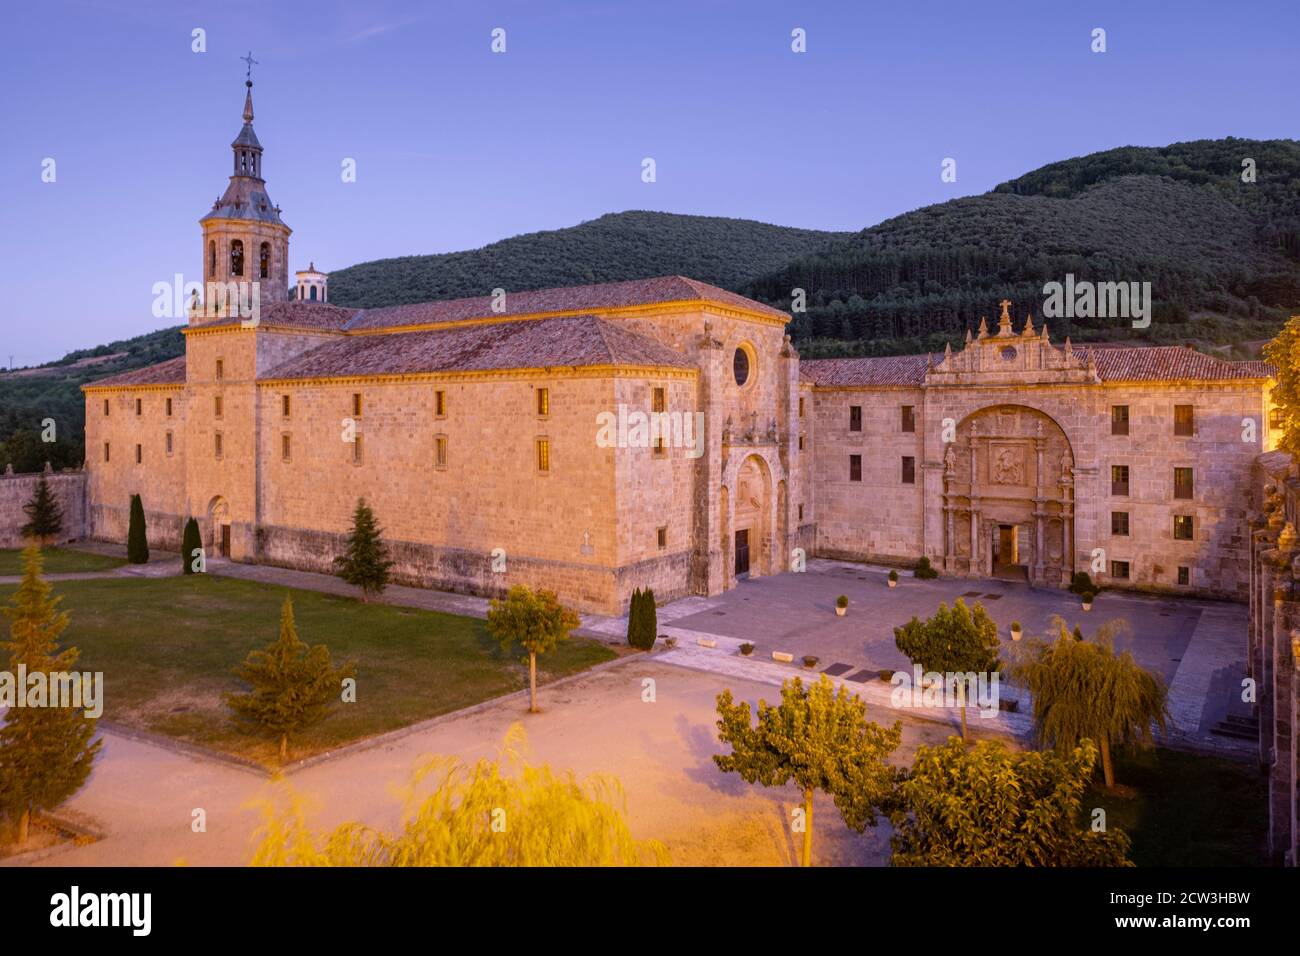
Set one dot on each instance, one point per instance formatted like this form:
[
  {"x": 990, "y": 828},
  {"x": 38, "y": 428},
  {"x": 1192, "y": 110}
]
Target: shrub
[
  {"x": 747, "y": 649},
  {"x": 642, "y": 623},
  {"x": 1015, "y": 625},
  {"x": 137, "y": 541},
  {"x": 924, "y": 570},
  {"x": 191, "y": 541},
  {"x": 1081, "y": 583},
  {"x": 809, "y": 660},
  {"x": 842, "y": 601},
  {"x": 1088, "y": 596},
  {"x": 893, "y": 576}
]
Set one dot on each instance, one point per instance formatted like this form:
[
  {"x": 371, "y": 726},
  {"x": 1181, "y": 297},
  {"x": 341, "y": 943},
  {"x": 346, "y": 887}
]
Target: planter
[
  {"x": 1016, "y": 633},
  {"x": 746, "y": 649},
  {"x": 886, "y": 676},
  {"x": 810, "y": 662},
  {"x": 1087, "y": 605},
  {"x": 841, "y": 611},
  {"x": 893, "y": 583}
]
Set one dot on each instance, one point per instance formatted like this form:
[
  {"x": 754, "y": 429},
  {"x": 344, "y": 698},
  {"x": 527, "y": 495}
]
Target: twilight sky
[{"x": 456, "y": 146}]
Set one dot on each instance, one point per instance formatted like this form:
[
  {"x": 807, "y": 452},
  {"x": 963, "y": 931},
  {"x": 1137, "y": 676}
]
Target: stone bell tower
[{"x": 244, "y": 239}]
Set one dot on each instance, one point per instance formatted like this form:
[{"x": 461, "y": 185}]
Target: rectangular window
[
  {"x": 169, "y": 408},
  {"x": 1119, "y": 479},
  {"x": 356, "y": 449},
  {"x": 543, "y": 455},
  {"x": 440, "y": 404},
  {"x": 659, "y": 401},
  {"x": 544, "y": 401},
  {"x": 105, "y": 408},
  {"x": 1184, "y": 420},
  {"x": 169, "y": 443},
  {"x": 1184, "y": 576},
  {"x": 1183, "y": 528},
  {"x": 909, "y": 418},
  {"x": 1274, "y": 418},
  {"x": 1119, "y": 419},
  {"x": 356, "y": 404},
  {"x": 1182, "y": 483},
  {"x": 855, "y": 418},
  {"x": 1119, "y": 523},
  {"x": 662, "y": 536},
  {"x": 106, "y": 451},
  {"x": 221, "y": 369},
  {"x": 216, "y": 444},
  {"x": 440, "y": 451},
  {"x": 801, "y": 443},
  {"x": 284, "y": 405},
  {"x": 286, "y": 447},
  {"x": 660, "y": 448},
  {"x": 801, "y": 512},
  {"x": 1119, "y": 570},
  {"x": 801, "y": 406},
  {"x": 139, "y": 454},
  {"x": 139, "y": 407},
  {"x": 909, "y": 470},
  {"x": 855, "y": 467},
  {"x": 216, "y": 406}
]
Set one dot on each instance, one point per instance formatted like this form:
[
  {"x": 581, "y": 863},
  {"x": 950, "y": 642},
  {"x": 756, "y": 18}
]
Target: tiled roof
[
  {"x": 565, "y": 341},
  {"x": 170, "y": 372},
  {"x": 880, "y": 372},
  {"x": 294, "y": 314},
  {"x": 582, "y": 298}
]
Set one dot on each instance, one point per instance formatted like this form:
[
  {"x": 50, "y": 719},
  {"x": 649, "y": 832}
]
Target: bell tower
[{"x": 244, "y": 239}]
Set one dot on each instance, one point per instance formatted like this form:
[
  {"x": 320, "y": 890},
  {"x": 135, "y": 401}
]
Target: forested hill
[
  {"x": 615, "y": 247},
  {"x": 1222, "y": 254}
]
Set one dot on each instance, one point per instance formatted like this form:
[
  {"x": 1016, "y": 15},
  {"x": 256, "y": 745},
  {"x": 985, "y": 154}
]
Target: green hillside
[{"x": 1222, "y": 255}]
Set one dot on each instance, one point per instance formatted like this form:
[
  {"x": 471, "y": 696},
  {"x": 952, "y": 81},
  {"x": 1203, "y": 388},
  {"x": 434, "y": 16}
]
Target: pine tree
[
  {"x": 191, "y": 546},
  {"x": 365, "y": 563},
  {"x": 137, "y": 542},
  {"x": 45, "y": 752},
  {"x": 44, "y": 516},
  {"x": 292, "y": 684}
]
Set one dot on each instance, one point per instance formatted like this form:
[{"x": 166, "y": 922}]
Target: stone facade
[{"x": 69, "y": 488}]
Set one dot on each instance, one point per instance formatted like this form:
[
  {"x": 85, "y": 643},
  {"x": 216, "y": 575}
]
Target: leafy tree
[
  {"x": 137, "y": 541},
  {"x": 536, "y": 620},
  {"x": 988, "y": 806},
  {"x": 365, "y": 562},
  {"x": 293, "y": 685},
  {"x": 1083, "y": 690},
  {"x": 954, "y": 641},
  {"x": 45, "y": 752},
  {"x": 502, "y": 812},
  {"x": 44, "y": 516},
  {"x": 821, "y": 740},
  {"x": 1284, "y": 352},
  {"x": 191, "y": 542}
]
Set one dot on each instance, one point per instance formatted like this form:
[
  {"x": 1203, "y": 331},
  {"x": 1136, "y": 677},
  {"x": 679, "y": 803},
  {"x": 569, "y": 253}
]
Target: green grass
[
  {"x": 1183, "y": 809},
  {"x": 59, "y": 561},
  {"x": 166, "y": 648}
]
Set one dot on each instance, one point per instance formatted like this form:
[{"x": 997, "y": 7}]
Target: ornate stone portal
[{"x": 1009, "y": 496}]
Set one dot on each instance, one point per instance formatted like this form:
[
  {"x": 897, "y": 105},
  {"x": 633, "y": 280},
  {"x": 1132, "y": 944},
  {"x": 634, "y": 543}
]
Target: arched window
[
  {"x": 264, "y": 261},
  {"x": 212, "y": 260},
  {"x": 237, "y": 257}
]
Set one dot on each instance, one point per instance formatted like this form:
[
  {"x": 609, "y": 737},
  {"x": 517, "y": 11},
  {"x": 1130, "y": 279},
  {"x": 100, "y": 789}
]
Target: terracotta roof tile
[
  {"x": 170, "y": 372},
  {"x": 565, "y": 341},
  {"x": 1172, "y": 363},
  {"x": 294, "y": 315},
  {"x": 877, "y": 372}
]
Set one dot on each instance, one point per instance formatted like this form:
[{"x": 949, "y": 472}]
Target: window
[
  {"x": 216, "y": 405},
  {"x": 740, "y": 366},
  {"x": 284, "y": 405},
  {"x": 169, "y": 408},
  {"x": 909, "y": 418},
  {"x": 1183, "y": 420},
  {"x": 106, "y": 451},
  {"x": 221, "y": 369},
  {"x": 1183, "y": 528},
  {"x": 660, "y": 449},
  {"x": 439, "y": 404},
  {"x": 1184, "y": 576},
  {"x": 658, "y": 401},
  {"x": 1275, "y": 418},
  {"x": 237, "y": 257},
  {"x": 139, "y": 454},
  {"x": 356, "y": 404},
  {"x": 543, "y": 455},
  {"x": 356, "y": 449},
  {"x": 105, "y": 408},
  {"x": 1119, "y": 523},
  {"x": 169, "y": 443},
  {"x": 139, "y": 407},
  {"x": 801, "y": 406},
  {"x": 1119, "y": 419},
  {"x": 1119, "y": 570},
  {"x": 855, "y": 467},
  {"x": 801, "y": 443},
  {"x": 1182, "y": 483},
  {"x": 544, "y": 401},
  {"x": 909, "y": 470},
  {"x": 212, "y": 260},
  {"x": 662, "y": 536},
  {"x": 1119, "y": 479},
  {"x": 286, "y": 446},
  {"x": 440, "y": 451},
  {"x": 216, "y": 444},
  {"x": 855, "y": 418},
  {"x": 801, "y": 512},
  {"x": 264, "y": 261}
]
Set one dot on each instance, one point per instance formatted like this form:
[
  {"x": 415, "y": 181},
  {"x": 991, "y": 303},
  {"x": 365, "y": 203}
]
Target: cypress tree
[
  {"x": 44, "y": 516},
  {"x": 634, "y": 619},
  {"x": 137, "y": 543},
  {"x": 191, "y": 542},
  {"x": 649, "y": 619},
  {"x": 365, "y": 562},
  {"x": 45, "y": 752}
]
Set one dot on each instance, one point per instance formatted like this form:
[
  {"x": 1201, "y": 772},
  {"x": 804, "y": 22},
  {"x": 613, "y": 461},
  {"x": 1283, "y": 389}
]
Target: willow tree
[
  {"x": 819, "y": 739},
  {"x": 1083, "y": 690}
]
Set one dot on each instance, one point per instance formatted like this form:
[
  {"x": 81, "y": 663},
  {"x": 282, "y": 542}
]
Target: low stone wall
[
  {"x": 69, "y": 489},
  {"x": 1273, "y": 644},
  {"x": 112, "y": 522}
]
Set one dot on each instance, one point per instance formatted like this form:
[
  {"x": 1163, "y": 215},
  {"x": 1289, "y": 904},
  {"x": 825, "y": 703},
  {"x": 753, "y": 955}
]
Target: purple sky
[{"x": 457, "y": 147}]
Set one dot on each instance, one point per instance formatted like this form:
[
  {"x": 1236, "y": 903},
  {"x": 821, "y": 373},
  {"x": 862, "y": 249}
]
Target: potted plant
[
  {"x": 1087, "y": 600},
  {"x": 893, "y": 579},
  {"x": 842, "y": 605},
  {"x": 1015, "y": 630},
  {"x": 886, "y": 675},
  {"x": 809, "y": 661},
  {"x": 746, "y": 649},
  {"x": 670, "y": 642}
]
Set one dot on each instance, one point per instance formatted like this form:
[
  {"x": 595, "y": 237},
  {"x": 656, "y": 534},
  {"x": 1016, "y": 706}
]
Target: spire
[
  {"x": 984, "y": 328},
  {"x": 1028, "y": 330},
  {"x": 248, "y": 102}
]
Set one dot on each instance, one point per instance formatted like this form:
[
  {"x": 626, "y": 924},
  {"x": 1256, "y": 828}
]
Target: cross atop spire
[{"x": 248, "y": 76}]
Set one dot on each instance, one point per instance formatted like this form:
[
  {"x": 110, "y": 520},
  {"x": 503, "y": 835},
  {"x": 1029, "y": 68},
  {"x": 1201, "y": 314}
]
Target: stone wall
[
  {"x": 1273, "y": 643},
  {"x": 69, "y": 488}
]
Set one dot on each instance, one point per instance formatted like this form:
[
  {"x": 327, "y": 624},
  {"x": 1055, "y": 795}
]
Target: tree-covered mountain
[
  {"x": 1222, "y": 253},
  {"x": 613, "y": 248}
]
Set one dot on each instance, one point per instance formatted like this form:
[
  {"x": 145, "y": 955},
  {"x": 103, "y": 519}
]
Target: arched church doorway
[
  {"x": 219, "y": 527},
  {"x": 753, "y": 508}
]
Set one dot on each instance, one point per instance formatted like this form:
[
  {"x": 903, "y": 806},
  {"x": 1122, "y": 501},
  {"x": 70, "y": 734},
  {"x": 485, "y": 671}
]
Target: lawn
[
  {"x": 166, "y": 647},
  {"x": 1184, "y": 809},
  {"x": 59, "y": 561}
]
